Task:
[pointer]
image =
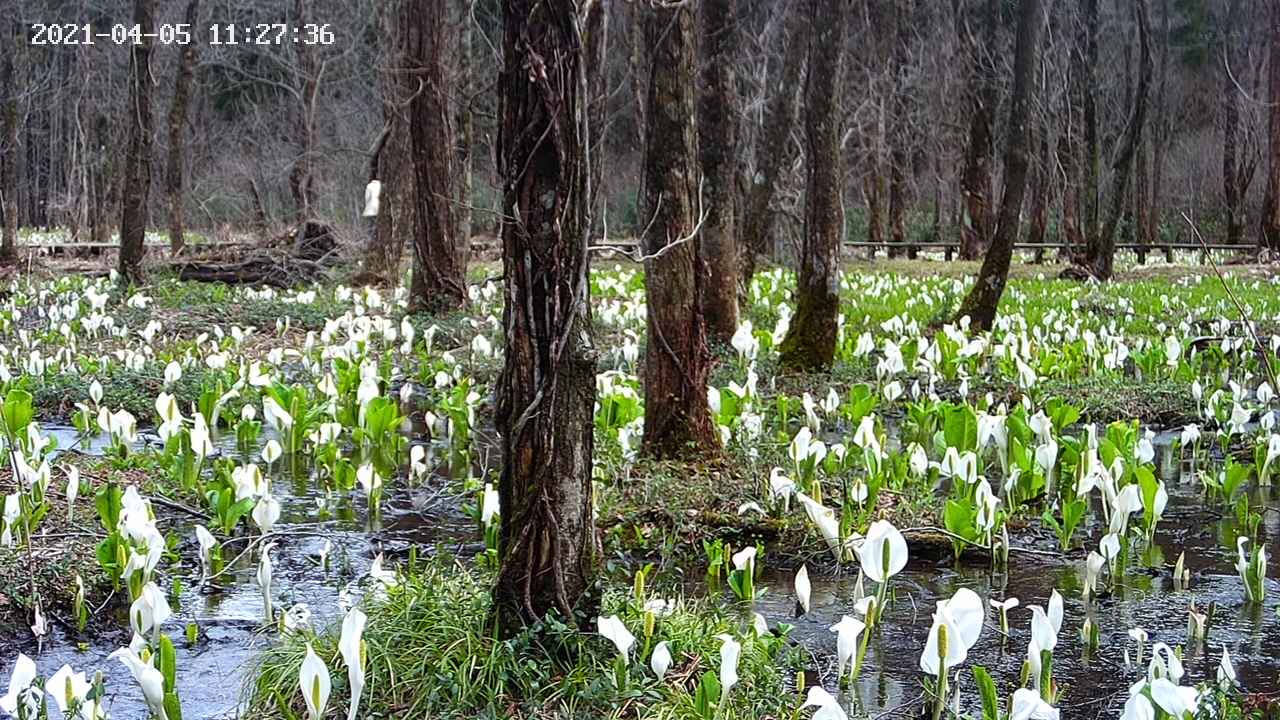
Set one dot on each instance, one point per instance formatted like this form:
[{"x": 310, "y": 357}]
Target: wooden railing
[{"x": 950, "y": 248}]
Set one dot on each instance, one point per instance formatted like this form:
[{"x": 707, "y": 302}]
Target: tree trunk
[
  {"x": 136, "y": 183},
  {"x": 173, "y": 175},
  {"x": 773, "y": 153},
  {"x": 548, "y": 544},
  {"x": 466, "y": 132},
  {"x": 975, "y": 183},
  {"x": 718, "y": 152},
  {"x": 1040, "y": 184},
  {"x": 1270, "y": 235},
  {"x": 9, "y": 155},
  {"x": 1088, "y": 67},
  {"x": 301, "y": 180},
  {"x": 1232, "y": 193},
  {"x": 899, "y": 129},
  {"x": 439, "y": 274},
  {"x": 811, "y": 339},
  {"x": 1103, "y": 248},
  {"x": 676, "y": 420},
  {"x": 596, "y": 49},
  {"x": 981, "y": 303},
  {"x": 388, "y": 162},
  {"x": 1160, "y": 132}
]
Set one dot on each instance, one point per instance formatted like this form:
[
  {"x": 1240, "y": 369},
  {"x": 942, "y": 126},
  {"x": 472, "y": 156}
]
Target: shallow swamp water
[{"x": 212, "y": 671}]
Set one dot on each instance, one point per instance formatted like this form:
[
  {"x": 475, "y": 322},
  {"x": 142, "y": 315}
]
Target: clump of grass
[{"x": 431, "y": 653}]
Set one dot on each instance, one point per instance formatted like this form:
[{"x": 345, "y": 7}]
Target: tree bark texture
[
  {"x": 975, "y": 182},
  {"x": 811, "y": 339},
  {"x": 390, "y": 163},
  {"x": 548, "y": 545},
  {"x": 173, "y": 171},
  {"x": 1103, "y": 247},
  {"x": 1270, "y": 236},
  {"x": 137, "y": 169},
  {"x": 774, "y": 152},
  {"x": 439, "y": 273},
  {"x": 718, "y": 152},
  {"x": 9, "y": 155},
  {"x": 983, "y": 300},
  {"x": 677, "y": 421},
  {"x": 1232, "y": 192}
]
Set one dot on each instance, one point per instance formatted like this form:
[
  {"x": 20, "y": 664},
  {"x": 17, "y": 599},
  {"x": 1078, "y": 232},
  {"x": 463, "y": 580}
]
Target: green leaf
[{"x": 987, "y": 689}]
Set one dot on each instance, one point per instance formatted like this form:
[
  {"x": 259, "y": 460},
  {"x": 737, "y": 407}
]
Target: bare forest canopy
[{"x": 274, "y": 130}]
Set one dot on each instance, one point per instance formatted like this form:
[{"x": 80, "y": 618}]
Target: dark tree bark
[
  {"x": 677, "y": 421},
  {"x": 1086, "y": 72},
  {"x": 975, "y": 182},
  {"x": 439, "y": 281},
  {"x": 718, "y": 151},
  {"x": 548, "y": 545},
  {"x": 811, "y": 340},
  {"x": 389, "y": 162},
  {"x": 1040, "y": 184},
  {"x": 596, "y": 48},
  {"x": 301, "y": 179},
  {"x": 9, "y": 155},
  {"x": 774, "y": 151},
  {"x": 1102, "y": 248},
  {"x": 1232, "y": 192},
  {"x": 1270, "y": 236},
  {"x": 173, "y": 175},
  {"x": 981, "y": 303},
  {"x": 137, "y": 170},
  {"x": 900, "y": 140},
  {"x": 1159, "y": 132},
  {"x": 466, "y": 130}
]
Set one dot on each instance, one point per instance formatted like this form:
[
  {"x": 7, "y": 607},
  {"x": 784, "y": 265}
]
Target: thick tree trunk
[
  {"x": 975, "y": 182},
  {"x": 548, "y": 545},
  {"x": 676, "y": 419},
  {"x": 439, "y": 273},
  {"x": 774, "y": 151},
  {"x": 718, "y": 151},
  {"x": 1270, "y": 235},
  {"x": 811, "y": 339},
  {"x": 173, "y": 175},
  {"x": 9, "y": 155},
  {"x": 981, "y": 303},
  {"x": 137, "y": 169},
  {"x": 1103, "y": 247}
]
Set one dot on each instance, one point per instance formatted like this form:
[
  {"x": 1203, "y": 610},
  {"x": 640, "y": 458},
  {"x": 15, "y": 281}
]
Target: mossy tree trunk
[
  {"x": 981, "y": 303},
  {"x": 811, "y": 340},
  {"x": 136, "y": 186},
  {"x": 677, "y": 421},
  {"x": 718, "y": 151},
  {"x": 439, "y": 272},
  {"x": 173, "y": 171},
  {"x": 549, "y": 549}
]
